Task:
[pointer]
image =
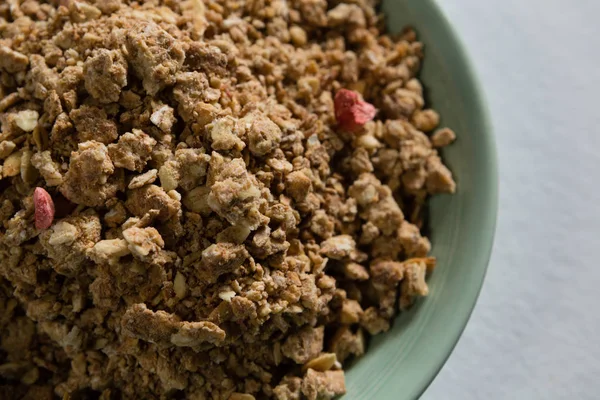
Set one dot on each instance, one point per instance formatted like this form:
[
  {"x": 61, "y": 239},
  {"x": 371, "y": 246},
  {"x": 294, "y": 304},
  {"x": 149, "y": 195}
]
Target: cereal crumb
[
  {"x": 105, "y": 75},
  {"x": 443, "y": 137},
  {"x": 338, "y": 247},
  {"x": 323, "y": 385},
  {"x": 132, "y": 151}
]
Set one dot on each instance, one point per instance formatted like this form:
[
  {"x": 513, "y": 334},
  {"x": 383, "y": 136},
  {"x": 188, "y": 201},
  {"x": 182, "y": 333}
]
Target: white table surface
[{"x": 535, "y": 333}]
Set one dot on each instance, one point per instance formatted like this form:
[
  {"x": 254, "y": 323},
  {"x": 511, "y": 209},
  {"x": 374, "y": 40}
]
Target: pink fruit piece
[
  {"x": 44, "y": 209},
  {"x": 351, "y": 112}
]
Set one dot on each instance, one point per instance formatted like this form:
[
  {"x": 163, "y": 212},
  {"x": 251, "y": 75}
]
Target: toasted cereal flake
[
  {"x": 197, "y": 200},
  {"x": 227, "y": 295},
  {"x": 27, "y": 120},
  {"x": 28, "y": 172},
  {"x": 63, "y": 233},
  {"x": 12, "y": 164},
  {"x": 12, "y": 61},
  {"x": 174, "y": 194},
  {"x": 323, "y": 362},
  {"x": 6, "y": 147},
  {"x": 163, "y": 118},
  {"x": 109, "y": 250},
  {"x": 146, "y": 178},
  {"x": 143, "y": 241},
  {"x": 179, "y": 285},
  {"x": 47, "y": 168},
  {"x": 338, "y": 247},
  {"x": 169, "y": 175}
]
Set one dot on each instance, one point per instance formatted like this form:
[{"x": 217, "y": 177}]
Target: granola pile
[{"x": 206, "y": 199}]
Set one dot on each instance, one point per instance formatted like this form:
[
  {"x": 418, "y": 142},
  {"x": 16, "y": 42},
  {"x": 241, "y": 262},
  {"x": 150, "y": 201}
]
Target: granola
[{"x": 207, "y": 199}]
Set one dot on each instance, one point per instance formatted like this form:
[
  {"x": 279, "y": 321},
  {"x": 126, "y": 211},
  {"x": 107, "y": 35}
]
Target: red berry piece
[
  {"x": 44, "y": 209},
  {"x": 351, "y": 112}
]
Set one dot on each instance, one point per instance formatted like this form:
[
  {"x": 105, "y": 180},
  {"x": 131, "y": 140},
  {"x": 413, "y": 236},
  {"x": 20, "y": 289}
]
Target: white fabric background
[{"x": 535, "y": 333}]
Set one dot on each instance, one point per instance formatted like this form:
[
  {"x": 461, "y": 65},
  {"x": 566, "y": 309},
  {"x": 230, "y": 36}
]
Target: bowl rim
[{"x": 462, "y": 57}]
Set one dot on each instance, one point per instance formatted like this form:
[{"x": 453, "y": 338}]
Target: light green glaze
[{"x": 401, "y": 363}]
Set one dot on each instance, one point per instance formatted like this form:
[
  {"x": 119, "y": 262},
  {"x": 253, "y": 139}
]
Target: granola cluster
[{"x": 206, "y": 199}]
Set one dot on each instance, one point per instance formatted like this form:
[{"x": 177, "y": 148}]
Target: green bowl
[{"x": 401, "y": 363}]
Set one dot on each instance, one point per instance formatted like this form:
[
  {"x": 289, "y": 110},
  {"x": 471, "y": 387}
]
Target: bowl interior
[{"x": 401, "y": 363}]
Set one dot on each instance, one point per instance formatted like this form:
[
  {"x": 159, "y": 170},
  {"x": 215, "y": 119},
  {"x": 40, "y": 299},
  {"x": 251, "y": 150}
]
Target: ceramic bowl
[{"x": 401, "y": 363}]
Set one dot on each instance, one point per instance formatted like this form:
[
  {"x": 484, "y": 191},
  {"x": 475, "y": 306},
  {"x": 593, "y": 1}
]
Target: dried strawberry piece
[
  {"x": 351, "y": 112},
  {"x": 44, "y": 209}
]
